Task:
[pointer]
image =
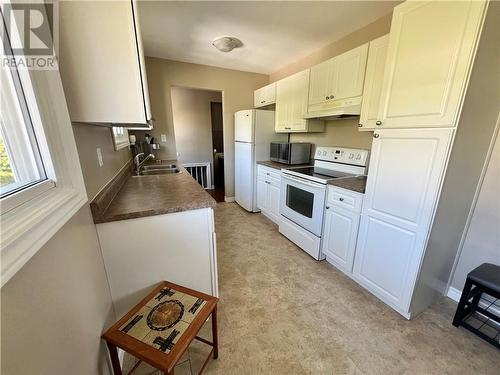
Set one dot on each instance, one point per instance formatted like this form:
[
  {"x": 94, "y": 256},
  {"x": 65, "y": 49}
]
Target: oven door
[{"x": 302, "y": 201}]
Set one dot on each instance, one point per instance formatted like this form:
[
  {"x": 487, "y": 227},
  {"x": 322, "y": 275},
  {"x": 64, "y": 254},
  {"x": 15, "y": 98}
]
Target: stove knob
[
  {"x": 358, "y": 157},
  {"x": 324, "y": 153},
  {"x": 351, "y": 156}
]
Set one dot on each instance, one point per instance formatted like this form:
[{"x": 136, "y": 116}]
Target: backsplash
[{"x": 343, "y": 133}]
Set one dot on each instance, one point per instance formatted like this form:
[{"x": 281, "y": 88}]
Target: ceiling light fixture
[{"x": 227, "y": 43}]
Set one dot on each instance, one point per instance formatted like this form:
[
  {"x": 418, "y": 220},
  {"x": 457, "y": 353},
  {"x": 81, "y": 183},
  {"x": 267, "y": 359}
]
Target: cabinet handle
[
  {"x": 262, "y": 101},
  {"x": 288, "y": 128},
  {"x": 267, "y": 173},
  {"x": 341, "y": 199},
  {"x": 360, "y": 125},
  {"x": 376, "y": 135},
  {"x": 327, "y": 207},
  {"x": 327, "y": 97},
  {"x": 332, "y": 96},
  {"x": 378, "y": 123}
]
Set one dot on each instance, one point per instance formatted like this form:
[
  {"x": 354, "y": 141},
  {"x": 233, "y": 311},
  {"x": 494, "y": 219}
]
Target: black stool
[{"x": 483, "y": 279}]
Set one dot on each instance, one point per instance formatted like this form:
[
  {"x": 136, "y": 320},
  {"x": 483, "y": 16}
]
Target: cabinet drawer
[
  {"x": 266, "y": 172},
  {"x": 345, "y": 198}
]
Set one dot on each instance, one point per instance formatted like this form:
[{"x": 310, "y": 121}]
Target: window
[
  {"x": 21, "y": 164},
  {"x": 120, "y": 137},
  {"x": 41, "y": 182}
]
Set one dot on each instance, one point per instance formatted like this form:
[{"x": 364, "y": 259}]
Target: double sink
[{"x": 158, "y": 167}]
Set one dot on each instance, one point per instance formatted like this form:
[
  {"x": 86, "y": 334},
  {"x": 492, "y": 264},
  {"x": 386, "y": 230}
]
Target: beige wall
[
  {"x": 88, "y": 139},
  {"x": 237, "y": 88},
  {"x": 340, "y": 132},
  {"x": 482, "y": 243},
  {"x": 193, "y": 123},
  {"x": 60, "y": 298},
  {"x": 56, "y": 307},
  {"x": 371, "y": 31}
]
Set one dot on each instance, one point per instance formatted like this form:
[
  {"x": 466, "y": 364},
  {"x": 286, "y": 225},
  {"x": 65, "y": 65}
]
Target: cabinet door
[
  {"x": 282, "y": 115},
  {"x": 298, "y": 101},
  {"x": 377, "y": 54},
  {"x": 104, "y": 82},
  {"x": 262, "y": 194},
  {"x": 265, "y": 95},
  {"x": 431, "y": 47},
  {"x": 339, "y": 238},
  {"x": 404, "y": 180},
  {"x": 274, "y": 190},
  {"x": 321, "y": 82},
  {"x": 349, "y": 73}
]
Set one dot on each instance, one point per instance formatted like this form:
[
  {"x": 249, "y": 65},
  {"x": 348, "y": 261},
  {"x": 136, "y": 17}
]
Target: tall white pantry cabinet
[{"x": 422, "y": 93}]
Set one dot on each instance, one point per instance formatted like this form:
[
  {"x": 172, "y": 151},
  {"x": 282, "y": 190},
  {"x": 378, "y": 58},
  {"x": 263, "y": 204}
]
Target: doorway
[
  {"x": 218, "y": 150},
  {"x": 199, "y": 136}
]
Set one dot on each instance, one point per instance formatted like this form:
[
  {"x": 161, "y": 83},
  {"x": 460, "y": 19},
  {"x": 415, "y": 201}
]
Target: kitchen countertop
[
  {"x": 151, "y": 195},
  {"x": 276, "y": 165},
  {"x": 357, "y": 184}
]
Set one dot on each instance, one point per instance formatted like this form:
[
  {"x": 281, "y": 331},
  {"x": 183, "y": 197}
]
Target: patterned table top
[{"x": 167, "y": 319}]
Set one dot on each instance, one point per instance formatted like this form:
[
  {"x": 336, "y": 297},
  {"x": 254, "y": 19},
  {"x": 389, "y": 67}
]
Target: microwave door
[{"x": 285, "y": 153}]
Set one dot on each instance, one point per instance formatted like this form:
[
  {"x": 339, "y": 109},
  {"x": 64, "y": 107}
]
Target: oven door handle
[{"x": 303, "y": 181}]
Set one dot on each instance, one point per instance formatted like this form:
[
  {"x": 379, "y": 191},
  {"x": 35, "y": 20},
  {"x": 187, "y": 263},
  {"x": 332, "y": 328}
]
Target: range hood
[{"x": 337, "y": 110}]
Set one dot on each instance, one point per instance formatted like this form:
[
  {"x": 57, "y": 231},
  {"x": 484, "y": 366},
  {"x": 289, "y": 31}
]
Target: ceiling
[{"x": 274, "y": 33}]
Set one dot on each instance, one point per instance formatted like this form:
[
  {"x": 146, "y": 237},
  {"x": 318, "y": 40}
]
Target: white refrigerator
[{"x": 253, "y": 133}]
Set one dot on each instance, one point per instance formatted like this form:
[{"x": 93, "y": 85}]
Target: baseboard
[
  {"x": 229, "y": 199},
  {"x": 454, "y": 294}
]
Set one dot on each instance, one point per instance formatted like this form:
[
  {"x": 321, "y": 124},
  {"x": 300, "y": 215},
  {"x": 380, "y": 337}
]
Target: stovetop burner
[{"x": 321, "y": 173}]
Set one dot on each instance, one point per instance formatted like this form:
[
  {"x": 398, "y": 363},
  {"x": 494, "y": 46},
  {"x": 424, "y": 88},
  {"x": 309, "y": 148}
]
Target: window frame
[
  {"x": 120, "y": 140},
  {"x": 35, "y": 214}
]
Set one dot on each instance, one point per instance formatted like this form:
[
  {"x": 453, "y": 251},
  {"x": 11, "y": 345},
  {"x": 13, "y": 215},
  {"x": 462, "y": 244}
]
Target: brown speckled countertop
[
  {"x": 153, "y": 195},
  {"x": 357, "y": 184},
  {"x": 276, "y": 165}
]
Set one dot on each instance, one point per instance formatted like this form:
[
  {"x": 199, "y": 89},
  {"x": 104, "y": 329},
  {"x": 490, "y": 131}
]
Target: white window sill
[{"x": 29, "y": 226}]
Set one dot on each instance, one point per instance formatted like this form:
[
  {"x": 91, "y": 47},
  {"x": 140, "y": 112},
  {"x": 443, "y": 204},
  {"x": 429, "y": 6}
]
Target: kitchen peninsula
[{"x": 152, "y": 228}]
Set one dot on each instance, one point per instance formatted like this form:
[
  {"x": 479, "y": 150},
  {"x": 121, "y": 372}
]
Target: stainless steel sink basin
[{"x": 152, "y": 172}]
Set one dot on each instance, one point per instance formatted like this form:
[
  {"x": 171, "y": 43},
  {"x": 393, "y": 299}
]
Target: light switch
[
  {"x": 99, "y": 157},
  {"x": 163, "y": 138}
]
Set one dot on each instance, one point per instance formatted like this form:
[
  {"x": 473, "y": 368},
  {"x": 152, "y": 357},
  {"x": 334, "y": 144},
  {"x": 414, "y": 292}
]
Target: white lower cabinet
[
  {"x": 268, "y": 192},
  {"x": 340, "y": 229},
  {"x": 402, "y": 190}
]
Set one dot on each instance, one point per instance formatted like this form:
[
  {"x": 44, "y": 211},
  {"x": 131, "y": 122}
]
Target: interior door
[
  {"x": 404, "y": 179},
  {"x": 375, "y": 66},
  {"x": 243, "y": 126},
  {"x": 430, "y": 53},
  {"x": 244, "y": 174},
  {"x": 339, "y": 238},
  {"x": 349, "y": 73}
]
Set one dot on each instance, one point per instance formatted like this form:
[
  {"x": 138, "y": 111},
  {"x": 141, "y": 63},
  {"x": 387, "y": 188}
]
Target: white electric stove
[{"x": 303, "y": 194}]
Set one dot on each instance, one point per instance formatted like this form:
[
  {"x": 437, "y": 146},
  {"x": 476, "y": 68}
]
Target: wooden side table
[{"x": 159, "y": 329}]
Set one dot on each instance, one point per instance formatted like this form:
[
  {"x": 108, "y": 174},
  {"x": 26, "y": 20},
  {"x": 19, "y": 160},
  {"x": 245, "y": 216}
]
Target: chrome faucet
[{"x": 139, "y": 164}]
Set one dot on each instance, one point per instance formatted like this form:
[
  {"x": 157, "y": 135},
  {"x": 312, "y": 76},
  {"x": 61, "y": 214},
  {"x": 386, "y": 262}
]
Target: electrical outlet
[
  {"x": 163, "y": 138},
  {"x": 99, "y": 157}
]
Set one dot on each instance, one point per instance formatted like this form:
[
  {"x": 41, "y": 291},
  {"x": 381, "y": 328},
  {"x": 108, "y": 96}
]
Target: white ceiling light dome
[{"x": 227, "y": 43}]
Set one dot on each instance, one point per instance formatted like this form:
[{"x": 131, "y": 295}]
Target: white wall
[
  {"x": 193, "y": 124},
  {"x": 482, "y": 243}
]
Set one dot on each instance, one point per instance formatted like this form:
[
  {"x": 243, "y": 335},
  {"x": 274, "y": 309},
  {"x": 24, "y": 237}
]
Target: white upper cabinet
[
  {"x": 377, "y": 54},
  {"x": 336, "y": 80},
  {"x": 292, "y": 95},
  {"x": 265, "y": 96},
  {"x": 102, "y": 63},
  {"x": 404, "y": 180},
  {"x": 431, "y": 48}
]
